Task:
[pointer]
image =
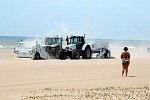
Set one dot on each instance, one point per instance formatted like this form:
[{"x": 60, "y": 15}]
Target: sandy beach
[{"x": 94, "y": 79}]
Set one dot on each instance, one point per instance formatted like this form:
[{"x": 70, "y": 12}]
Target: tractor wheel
[
  {"x": 75, "y": 54},
  {"x": 57, "y": 50},
  {"x": 37, "y": 56},
  {"x": 62, "y": 55},
  {"x": 87, "y": 53},
  {"x": 52, "y": 52}
]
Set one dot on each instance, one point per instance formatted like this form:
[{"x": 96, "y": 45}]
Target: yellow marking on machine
[{"x": 22, "y": 58}]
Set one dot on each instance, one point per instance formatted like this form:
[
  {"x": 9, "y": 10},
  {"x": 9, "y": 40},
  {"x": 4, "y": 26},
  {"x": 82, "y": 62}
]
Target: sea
[{"x": 12, "y": 41}]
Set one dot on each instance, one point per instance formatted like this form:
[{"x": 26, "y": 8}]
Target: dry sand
[{"x": 94, "y": 79}]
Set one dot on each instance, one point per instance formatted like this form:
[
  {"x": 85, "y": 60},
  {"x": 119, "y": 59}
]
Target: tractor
[
  {"x": 53, "y": 45},
  {"x": 76, "y": 47}
]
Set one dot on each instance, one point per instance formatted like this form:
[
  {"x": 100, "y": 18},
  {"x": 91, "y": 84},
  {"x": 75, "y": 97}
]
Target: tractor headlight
[
  {"x": 67, "y": 48},
  {"x": 72, "y": 48}
]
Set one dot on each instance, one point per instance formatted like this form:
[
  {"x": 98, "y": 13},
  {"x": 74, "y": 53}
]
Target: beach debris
[{"x": 141, "y": 92}]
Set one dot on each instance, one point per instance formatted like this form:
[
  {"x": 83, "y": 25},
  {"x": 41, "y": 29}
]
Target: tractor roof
[
  {"x": 54, "y": 37},
  {"x": 76, "y": 36}
]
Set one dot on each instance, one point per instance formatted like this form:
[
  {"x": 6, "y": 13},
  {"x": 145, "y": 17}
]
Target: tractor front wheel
[{"x": 75, "y": 54}]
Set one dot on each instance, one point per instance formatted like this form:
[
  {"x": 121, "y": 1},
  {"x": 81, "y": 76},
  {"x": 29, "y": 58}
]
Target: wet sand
[{"x": 73, "y": 79}]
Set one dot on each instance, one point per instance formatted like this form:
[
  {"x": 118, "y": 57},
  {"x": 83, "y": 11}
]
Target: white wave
[
  {"x": 131, "y": 47},
  {"x": 1, "y": 46}
]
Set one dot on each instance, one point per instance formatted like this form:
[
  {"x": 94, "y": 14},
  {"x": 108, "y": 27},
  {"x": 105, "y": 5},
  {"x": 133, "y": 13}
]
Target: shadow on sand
[{"x": 131, "y": 76}]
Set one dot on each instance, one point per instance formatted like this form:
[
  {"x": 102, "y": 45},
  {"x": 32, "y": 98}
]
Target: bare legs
[
  {"x": 122, "y": 72},
  {"x": 126, "y": 72},
  {"x": 125, "y": 68}
]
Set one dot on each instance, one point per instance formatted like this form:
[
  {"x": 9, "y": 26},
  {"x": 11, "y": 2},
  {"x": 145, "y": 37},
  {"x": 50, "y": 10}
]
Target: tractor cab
[
  {"x": 52, "y": 40},
  {"x": 75, "y": 48},
  {"x": 77, "y": 41},
  {"x": 53, "y": 45}
]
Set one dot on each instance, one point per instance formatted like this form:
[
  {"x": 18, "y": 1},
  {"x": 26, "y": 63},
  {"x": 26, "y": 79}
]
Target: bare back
[{"x": 125, "y": 56}]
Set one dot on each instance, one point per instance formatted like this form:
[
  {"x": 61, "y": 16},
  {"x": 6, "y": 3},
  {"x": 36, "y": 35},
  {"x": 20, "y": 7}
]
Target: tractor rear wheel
[
  {"x": 62, "y": 55},
  {"x": 87, "y": 53},
  {"x": 57, "y": 52}
]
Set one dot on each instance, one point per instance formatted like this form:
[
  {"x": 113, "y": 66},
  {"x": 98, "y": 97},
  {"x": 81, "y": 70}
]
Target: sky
[{"x": 97, "y": 19}]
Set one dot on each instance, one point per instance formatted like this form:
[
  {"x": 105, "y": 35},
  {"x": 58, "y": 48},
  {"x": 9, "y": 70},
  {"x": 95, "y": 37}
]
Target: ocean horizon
[{"x": 12, "y": 41}]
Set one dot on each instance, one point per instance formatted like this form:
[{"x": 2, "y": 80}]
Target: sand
[{"x": 94, "y": 79}]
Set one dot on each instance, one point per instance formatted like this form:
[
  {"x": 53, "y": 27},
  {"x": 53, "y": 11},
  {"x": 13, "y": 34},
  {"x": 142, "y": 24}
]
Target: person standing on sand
[{"x": 125, "y": 56}]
